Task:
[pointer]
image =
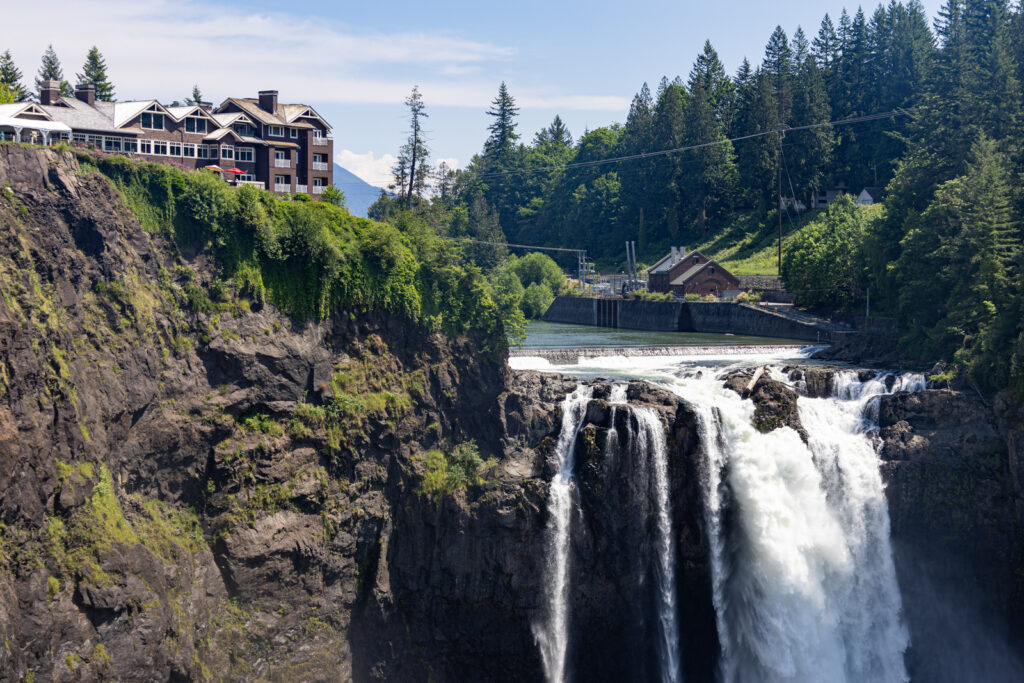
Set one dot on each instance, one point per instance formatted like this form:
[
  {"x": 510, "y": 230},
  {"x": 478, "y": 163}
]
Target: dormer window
[
  {"x": 194, "y": 124},
  {"x": 152, "y": 121},
  {"x": 245, "y": 129},
  {"x": 277, "y": 131}
]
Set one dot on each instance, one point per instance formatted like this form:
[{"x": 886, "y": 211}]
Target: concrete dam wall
[{"x": 683, "y": 316}]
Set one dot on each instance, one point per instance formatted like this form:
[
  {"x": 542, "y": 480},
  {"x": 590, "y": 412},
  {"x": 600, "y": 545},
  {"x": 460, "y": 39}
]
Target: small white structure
[{"x": 867, "y": 196}]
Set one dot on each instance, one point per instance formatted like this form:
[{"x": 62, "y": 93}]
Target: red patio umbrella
[{"x": 235, "y": 170}]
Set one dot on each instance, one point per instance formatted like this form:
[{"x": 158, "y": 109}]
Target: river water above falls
[{"x": 797, "y": 529}]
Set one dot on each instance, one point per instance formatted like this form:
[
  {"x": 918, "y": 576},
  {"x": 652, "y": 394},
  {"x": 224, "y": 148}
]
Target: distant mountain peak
[{"x": 359, "y": 194}]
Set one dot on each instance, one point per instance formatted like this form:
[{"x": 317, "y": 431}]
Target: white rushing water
[
  {"x": 652, "y": 442},
  {"x": 553, "y": 633},
  {"x": 803, "y": 578},
  {"x": 803, "y": 581}
]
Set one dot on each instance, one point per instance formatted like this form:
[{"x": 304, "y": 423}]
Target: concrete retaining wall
[{"x": 686, "y": 316}]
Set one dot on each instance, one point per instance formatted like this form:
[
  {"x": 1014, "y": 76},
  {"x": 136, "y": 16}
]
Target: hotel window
[
  {"x": 159, "y": 147},
  {"x": 213, "y": 151},
  {"x": 319, "y": 182},
  {"x": 111, "y": 144},
  {"x": 243, "y": 154},
  {"x": 280, "y": 154},
  {"x": 195, "y": 125},
  {"x": 245, "y": 129},
  {"x": 203, "y": 152},
  {"x": 175, "y": 149},
  {"x": 319, "y": 158},
  {"x": 281, "y": 180},
  {"x": 78, "y": 137},
  {"x": 188, "y": 150},
  {"x": 294, "y": 132},
  {"x": 277, "y": 131},
  {"x": 245, "y": 176},
  {"x": 227, "y": 152},
  {"x": 152, "y": 121},
  {"x": 317, "y": 133},
  {"x": 145, "y": 147},
  {"x": 131, "y": 146},
  {"x": 96, "y": 140}
]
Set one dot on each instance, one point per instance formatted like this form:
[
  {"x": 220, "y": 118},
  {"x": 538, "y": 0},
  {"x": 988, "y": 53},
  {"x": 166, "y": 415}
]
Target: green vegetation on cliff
[{"x": 309, "y": 259}]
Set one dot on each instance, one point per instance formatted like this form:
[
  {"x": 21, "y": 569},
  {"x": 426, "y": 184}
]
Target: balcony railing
[
  {"x": 319, "y": 189},
  {"x": 304, "y": 189},
  {"x": 320, "y": 141},
  {"x": 282, "y": 163},
  {"x": 282, "y": 187},
  {"x": 321, "y": 166},
  {"x": 254, "y": 183}
]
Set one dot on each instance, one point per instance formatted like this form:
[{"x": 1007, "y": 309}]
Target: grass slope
[{"x": 748, "y": 245}]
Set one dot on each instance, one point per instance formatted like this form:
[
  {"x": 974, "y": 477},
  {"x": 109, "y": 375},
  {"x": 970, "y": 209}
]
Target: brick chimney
[
  {"x": 268, "y": 101},
  {"x": 49, "y": 93},
  {"x": 86, "y": 92}
]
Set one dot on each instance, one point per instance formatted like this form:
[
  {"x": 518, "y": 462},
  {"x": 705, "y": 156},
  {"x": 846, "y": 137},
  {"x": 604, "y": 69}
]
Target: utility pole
[{"x": 778, "y": 173}]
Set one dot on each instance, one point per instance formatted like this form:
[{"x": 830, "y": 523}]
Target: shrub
[
  {"x": 536, "y": 300},
  {"x": 447, "y": 474}
]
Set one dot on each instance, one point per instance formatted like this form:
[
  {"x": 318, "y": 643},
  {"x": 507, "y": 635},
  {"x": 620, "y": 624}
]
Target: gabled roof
[
  {"x": 23, "y": 109},
  {"x": 126, "y": 111},
  {"x": 253, "y": 109},
  {"x": 660, "y": 264},
  {"x": 690, "y": 273},
  {"x": 296, "y": 111},
  {"x": 179, "y": 113}
]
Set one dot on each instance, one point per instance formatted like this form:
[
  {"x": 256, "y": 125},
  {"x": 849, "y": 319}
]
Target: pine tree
[
  {"x": 669, "y": 130},
  {"x": 411, "y": 171},
  {"x": 94, "y": 73},
  {"x": 708, "y": 73},
  {"x": 825, "y": 46},
  {"x": 757, "y": 112},
  {"x": 500, "y": 143},
  {"x": 811, "y": 148},
  {"x": 10, "y": 75},
  {"x": 196, "y": 97},
  {"x": 51, "y": 70},
  {"x": 778, "y": 66},
  {"x": 710, "y": 173}
]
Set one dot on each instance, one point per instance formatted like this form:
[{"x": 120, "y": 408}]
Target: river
[{"x": 540, "y": 334}]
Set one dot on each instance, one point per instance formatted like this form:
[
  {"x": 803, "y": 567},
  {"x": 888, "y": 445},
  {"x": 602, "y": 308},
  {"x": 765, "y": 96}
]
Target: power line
[{"x": 703, "y": 145}]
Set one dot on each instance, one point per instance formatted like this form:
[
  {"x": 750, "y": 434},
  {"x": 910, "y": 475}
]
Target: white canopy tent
[{"x": 24, "y": 130}]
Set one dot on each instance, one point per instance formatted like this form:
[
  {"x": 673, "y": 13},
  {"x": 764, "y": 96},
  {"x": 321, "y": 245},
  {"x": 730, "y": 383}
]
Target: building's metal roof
[
  {"x": 278, "y": 118},
  {"x": 80, "y": 116}
]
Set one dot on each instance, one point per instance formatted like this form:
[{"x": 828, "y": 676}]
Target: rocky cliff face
[{"x": 194, "y": 488}]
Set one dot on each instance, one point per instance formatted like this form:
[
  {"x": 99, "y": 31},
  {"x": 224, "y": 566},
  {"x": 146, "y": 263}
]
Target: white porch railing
[
  {"x": 282, "y": 188},
  {"x": 254, "y": 183},
  {"x": 320, "y": 142},
  {"x": 319, "y": 189},
  {"x": 302, "y": 188},
  {"x": 321, "y": 166},
  {"x": 282, "y": 163}
]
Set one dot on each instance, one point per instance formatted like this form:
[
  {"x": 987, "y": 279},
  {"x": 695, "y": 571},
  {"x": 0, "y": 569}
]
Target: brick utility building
[
  {"x": 284, "y": 148},
  {"x": 689, "y": 273}
]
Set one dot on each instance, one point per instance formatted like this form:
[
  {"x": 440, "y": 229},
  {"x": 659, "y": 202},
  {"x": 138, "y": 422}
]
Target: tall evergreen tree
[
  {"x": 503, "y": 136},
  {"x": 94, "y": 73},
  {"x": 411, "y": 171},
  {"x": 710, "y": 175},
  {"x": 757, "y": 112},
  {"x": 778, "y": 68},
  {"x": 10, "y": 75},
  {"x": 810, "y": 150},
  {"x": 51, "y": 70},
  {"x": 825, "y": 46},
  {"x": 709, "y": 74},
  {"x": 196, "y": 97},
  {"x": 669, "y": 131}
]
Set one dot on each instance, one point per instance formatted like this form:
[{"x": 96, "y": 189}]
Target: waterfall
[
  {"x": 802, "y": 573},
  {"x": 652, "y": 442},
  {"x": 553, "y": 634}
]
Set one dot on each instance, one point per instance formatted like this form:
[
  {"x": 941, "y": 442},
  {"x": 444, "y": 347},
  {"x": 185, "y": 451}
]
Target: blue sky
[{"x": 356, "y": 61}]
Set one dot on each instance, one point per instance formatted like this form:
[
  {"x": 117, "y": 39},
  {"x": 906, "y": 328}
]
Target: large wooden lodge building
[{"x": 283, "y": 148}]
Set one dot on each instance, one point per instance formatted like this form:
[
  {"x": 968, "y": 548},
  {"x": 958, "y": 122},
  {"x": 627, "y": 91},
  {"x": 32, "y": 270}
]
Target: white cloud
[
  {"x": 371, "y": 168},
  {"x": 159, "y": 48}
]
